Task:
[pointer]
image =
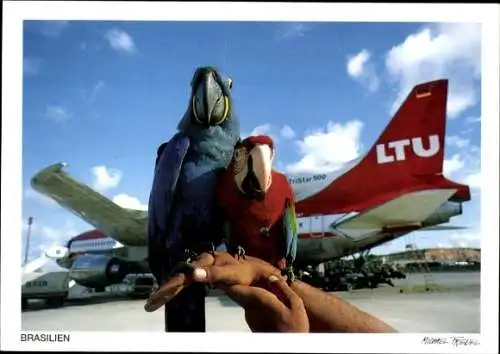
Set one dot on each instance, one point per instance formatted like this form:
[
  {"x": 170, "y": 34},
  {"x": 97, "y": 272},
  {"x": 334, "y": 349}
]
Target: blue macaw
[{"x": 183, "y": 215}]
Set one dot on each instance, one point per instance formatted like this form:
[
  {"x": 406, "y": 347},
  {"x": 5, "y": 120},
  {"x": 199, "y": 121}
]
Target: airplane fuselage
[
  {"x": 397, "y": 187},
  {"x": 319, "y": 238}
]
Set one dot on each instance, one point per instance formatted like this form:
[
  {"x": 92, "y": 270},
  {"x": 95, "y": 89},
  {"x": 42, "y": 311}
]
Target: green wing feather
[{"x": 291, "y": 230}]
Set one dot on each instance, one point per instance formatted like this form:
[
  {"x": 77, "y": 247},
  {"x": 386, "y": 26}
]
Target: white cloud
[
  {"x": 464, "y": 166},
  {"x": 104, "y": 178},
  {"x": 473, "y": 180},
  {"x": 360, "y": 69},
  {"x": 44, "y": 236},
  {"x": 58, "y": 114},
  {"x": 287, "y": 132},
  {"x": 274, "y": 132},
  {"x": 450, "y": 51},
  {"x": 472, "y": 120},
  {"x": 126, "y": 201},
  {"x": 263, "y": 129},
  {"x": 31, "y": 194},
  {"x": 291, "y": 30},
  {"x": 466, "y": 239},
  {"x": 98, "y": 87},
  {"x": 453, "y": 165},
  {"x": 51, "y": 29},
  {"x": 120, "y": 40},
  {"x": 58, "y": 235},
  {"x": 328, "y": 149},
  {"x": 31, "y": 66},
  {"x": 457, "y": 141},
  {"x": 356, "y": 63}
]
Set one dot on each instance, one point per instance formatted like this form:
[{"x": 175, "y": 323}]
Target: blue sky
[{"x": 102, "y": 96}]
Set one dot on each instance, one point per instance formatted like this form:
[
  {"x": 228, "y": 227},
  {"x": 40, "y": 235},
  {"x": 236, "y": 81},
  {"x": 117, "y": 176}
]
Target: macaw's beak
[
  {"x": 208, "y": 102},
  {"x": 258, "y": 178}
]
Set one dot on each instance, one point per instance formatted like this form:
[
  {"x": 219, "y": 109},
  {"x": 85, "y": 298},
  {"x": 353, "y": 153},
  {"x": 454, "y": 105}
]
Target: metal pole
[{"x": 28, "y": 236}]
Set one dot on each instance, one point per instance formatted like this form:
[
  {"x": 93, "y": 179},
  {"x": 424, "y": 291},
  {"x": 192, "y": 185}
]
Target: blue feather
[
  {"x": 182, "y": 208},
  {"x": 167, "y": 171}
]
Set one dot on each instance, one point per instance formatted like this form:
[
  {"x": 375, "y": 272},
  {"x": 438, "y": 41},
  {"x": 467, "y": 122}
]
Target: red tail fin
[
  {"x": 413, "y": 142},
  {"x": 408, "y": 156}
]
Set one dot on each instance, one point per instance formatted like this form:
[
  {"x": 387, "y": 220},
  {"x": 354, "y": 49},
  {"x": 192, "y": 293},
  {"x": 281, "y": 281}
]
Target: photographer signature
[{"x": 455, "y": 341}]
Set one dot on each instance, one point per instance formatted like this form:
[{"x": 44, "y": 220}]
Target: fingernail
[
  {"x": 273, "y": 278},
  {"x": 200, "y": 274}
]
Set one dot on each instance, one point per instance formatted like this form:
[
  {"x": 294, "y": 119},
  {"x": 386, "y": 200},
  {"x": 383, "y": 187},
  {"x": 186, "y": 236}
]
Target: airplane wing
[
  {"x": 35, "y": 265},
  {"x": 444, "y": 228},
  {"x": 129, "y": 227},
  {"x": 406, "y": 212}
]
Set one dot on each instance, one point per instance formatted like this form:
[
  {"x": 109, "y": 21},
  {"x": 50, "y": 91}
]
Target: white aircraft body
[{"x": 396, "y": 188}]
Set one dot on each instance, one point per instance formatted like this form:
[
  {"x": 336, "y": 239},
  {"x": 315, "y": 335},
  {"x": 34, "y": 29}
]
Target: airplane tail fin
[
  {"x": 407, "y": 157},
  {"x": 413, "y": 141}
]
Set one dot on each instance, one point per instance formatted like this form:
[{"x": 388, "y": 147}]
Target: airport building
[{"x": 431, "y": 255}]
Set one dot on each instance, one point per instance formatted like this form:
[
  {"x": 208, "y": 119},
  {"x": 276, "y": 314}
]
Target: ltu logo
[{"x": 396, "y": 150}]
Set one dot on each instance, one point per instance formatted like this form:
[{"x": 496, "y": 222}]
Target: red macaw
[{"x": 259, "y": 204}]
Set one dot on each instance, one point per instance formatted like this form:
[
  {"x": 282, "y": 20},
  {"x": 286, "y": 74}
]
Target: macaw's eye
[{"x": 240, "y": 156}]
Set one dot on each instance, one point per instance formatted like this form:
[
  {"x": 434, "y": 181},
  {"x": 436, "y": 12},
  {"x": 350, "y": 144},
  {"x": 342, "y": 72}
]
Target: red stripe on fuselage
[
  {"x": 89, "y": 235},
  {"x": 316, "y": 235}
]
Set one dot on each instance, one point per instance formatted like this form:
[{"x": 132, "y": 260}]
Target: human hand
[
  {"x": 278, "y": 309},
  {"x": 228, "y": 270},
  {"x": 270, "y": 304},
  {"x": 207, "y": 268},
  {"x": 179, "y": 281}
]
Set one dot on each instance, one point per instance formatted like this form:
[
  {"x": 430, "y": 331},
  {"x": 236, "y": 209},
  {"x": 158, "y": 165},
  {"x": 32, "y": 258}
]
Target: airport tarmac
[{"x": 451, "y": 306}]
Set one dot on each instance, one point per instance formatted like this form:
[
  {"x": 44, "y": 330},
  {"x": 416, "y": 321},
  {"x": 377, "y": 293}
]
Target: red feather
[{"x": 248, "y": 218}]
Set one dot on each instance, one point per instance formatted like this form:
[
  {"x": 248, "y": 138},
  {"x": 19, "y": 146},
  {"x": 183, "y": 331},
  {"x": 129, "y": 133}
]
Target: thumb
[{"x": 280, "y": 288}]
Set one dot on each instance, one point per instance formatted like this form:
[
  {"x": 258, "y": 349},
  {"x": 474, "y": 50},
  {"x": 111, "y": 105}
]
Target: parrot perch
[
  {"x": 259, "y": 204},
  {"x": 183, "y": 215}
]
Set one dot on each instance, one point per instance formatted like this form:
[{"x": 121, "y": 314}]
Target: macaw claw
[
  {"x": 240, "y": 253},
  {"x": 184, "y": 266},
  {"x": 289, "y": 273},
  {"x": 189, "y": 255},
  {"x": 212, "y": 249}
]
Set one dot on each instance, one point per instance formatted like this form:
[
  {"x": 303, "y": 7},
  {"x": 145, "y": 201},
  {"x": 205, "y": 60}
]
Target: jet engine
[
  {"x": 97, "y": 270},
  {"x": 443, "y": 214}
]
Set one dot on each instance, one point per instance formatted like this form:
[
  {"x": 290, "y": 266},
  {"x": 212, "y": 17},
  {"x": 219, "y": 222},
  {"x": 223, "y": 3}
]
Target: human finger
[
  {"x": 264, "y": 312},
  {"x": 238, "y": 293},
  {"x": 204, "y": 260},
  {"x": 262, "y": 268},
  {"x": 280, "y": 288},
  {"x": 248, "y": 296},
  {"x": 224, "y": 258},
  {"x": 166, "y": 292},
  {"x": 176, "y": 283},
  {"x": 228, "y": 274}
]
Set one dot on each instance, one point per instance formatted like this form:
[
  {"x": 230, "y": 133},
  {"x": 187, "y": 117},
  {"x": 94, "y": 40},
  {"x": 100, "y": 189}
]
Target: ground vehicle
[
  {"x": 53, "y": 286},
  {"x": 141, "y": 285}
]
